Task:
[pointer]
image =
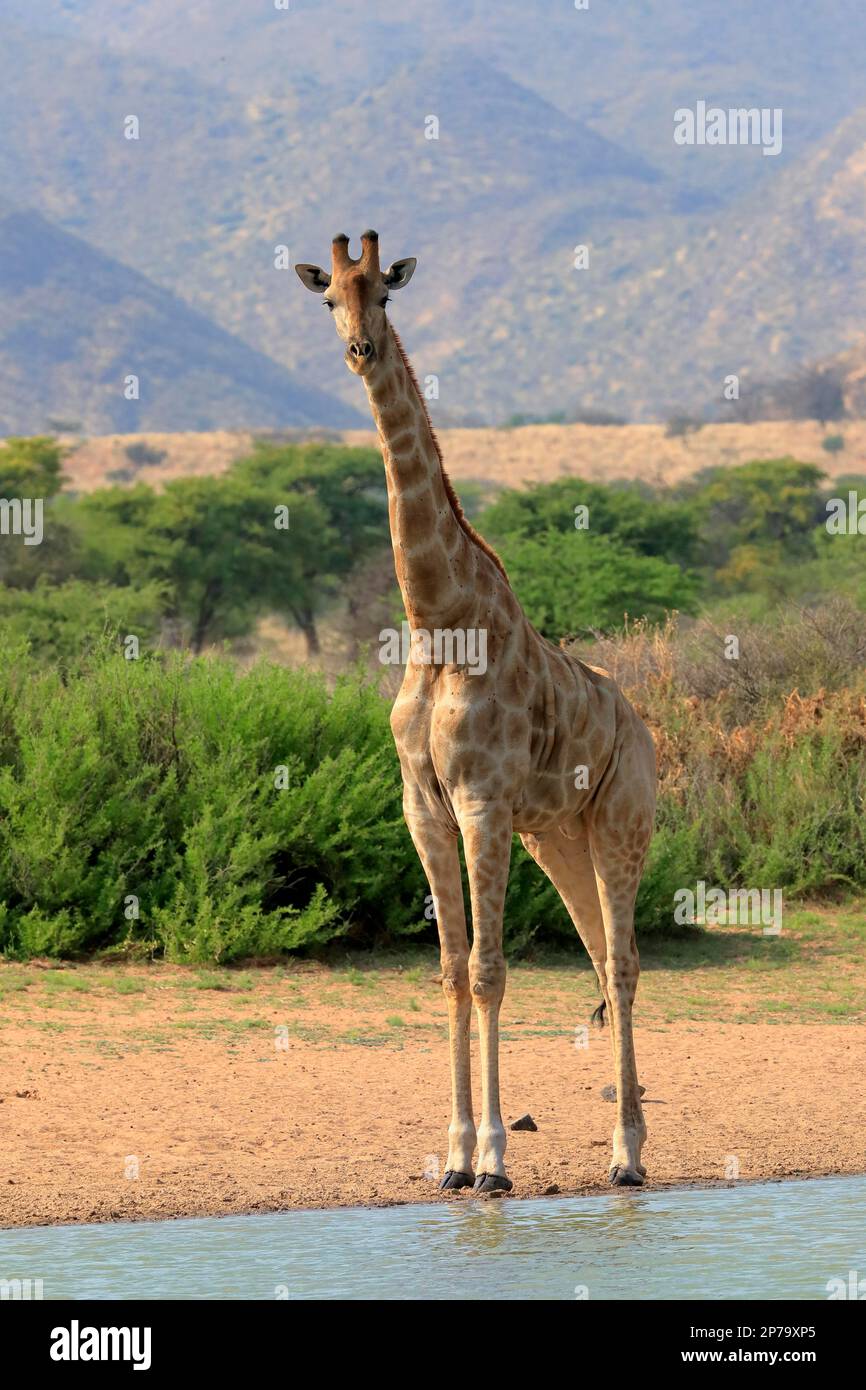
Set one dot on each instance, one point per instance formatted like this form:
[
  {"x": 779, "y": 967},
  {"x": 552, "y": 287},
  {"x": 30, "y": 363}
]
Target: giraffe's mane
[{"x": 449, "y": 486}]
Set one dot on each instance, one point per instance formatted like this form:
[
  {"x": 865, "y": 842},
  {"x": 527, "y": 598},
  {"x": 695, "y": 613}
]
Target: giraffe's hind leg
[
  {"x": 617, "y": 886},
  {"x": 568, "y": 865},
  {"x": 620, "y": 828},
  {"x": 597, "y": 875}
]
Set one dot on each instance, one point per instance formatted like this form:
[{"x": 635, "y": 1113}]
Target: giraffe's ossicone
[{"x": 528, "y": 739}]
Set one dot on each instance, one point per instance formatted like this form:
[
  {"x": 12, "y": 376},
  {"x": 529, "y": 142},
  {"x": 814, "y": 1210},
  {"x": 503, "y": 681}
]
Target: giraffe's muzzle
[{"x": 360, "y": 355}]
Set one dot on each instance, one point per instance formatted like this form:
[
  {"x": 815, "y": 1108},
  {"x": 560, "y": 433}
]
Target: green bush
[
  {"x": 55, "y": 623},
  {"x": 156, "y": 778}
]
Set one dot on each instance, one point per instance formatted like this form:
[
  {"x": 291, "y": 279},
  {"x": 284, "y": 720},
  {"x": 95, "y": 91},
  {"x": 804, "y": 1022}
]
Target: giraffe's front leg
[
  {"x": 487, "y": 832},
  {"x": 437, "y": 850}
]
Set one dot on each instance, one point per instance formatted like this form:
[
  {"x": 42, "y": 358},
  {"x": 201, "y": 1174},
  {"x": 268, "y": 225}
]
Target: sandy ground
[
  {"x": 509, "y": 458},
  {"x": 217, "y": 1111}
]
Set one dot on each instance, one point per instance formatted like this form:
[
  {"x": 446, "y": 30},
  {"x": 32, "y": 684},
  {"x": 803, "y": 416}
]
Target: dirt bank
[{"x": 246, "y": 1099}]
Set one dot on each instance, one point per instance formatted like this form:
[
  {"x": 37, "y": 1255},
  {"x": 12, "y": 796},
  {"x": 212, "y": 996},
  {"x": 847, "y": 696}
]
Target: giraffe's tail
[{"x": 597, "y": 1015}]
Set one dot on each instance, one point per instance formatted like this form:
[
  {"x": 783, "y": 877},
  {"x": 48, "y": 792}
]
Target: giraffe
[{"x": 538, "y": 743}]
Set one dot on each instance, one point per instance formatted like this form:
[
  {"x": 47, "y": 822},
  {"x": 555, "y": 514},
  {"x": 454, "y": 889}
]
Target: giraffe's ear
[
  {"x": 400, "y": 273},
  {"x": 313, "y": 277}
]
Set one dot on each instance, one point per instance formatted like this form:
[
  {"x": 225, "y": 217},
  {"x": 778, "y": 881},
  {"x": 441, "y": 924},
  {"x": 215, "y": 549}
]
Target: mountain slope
[
  {"x": 622, "y": 67},
  {"x": 75, "y": 323},
  {"x": 200, "y": 201},
  {"x": 261, "y": 128},
  {"x": 773, "y": 282}
]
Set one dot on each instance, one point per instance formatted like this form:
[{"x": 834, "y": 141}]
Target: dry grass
[
  {"x": 818, "y": 649},
  {"x": 505, "y": 457},
  {"x": 813, "y": 972}
]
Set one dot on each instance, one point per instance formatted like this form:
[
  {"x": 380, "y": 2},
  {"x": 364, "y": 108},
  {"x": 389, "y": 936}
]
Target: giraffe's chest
[
  {"x": 528, "y": 744},
  {"x": 451, "y": 735}
]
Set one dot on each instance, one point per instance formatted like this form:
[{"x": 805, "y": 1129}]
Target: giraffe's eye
[
  {"x": 328, "y": 305},
  {"x": 384, "y": 301}
]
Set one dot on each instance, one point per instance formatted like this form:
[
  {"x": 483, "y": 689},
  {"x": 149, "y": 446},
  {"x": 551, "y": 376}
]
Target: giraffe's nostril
[{"x": 362, "y": 350}]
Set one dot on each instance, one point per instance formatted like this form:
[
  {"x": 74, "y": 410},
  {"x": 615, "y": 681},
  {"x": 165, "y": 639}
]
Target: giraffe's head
[{"x": 356, "y": 293}]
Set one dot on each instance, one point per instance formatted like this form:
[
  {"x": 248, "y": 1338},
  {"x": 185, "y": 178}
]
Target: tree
[
  {"x": 767, "y": 501},
  {"x": 30, "y": 467},
  {"x": 833, "y": 443},
  {"x": 279, "y": 531},
  {"x": 649, "y": 524},
  {"x": 32, "y": 470},
  {"x": 347, "y": 487},
  {"x": 217, "y": 546},
  {"x": 580, "y": 582},
  {"x": 110, "y": 527},
  {"x": 815, "y": 392}
]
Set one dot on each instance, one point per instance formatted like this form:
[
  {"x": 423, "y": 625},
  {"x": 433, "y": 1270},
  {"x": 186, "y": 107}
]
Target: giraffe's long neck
[{"x": 436, "y": 553}]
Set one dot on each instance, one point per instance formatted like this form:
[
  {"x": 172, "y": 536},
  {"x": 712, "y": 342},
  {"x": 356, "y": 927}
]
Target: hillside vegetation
[{"x": 261, "y": 129}]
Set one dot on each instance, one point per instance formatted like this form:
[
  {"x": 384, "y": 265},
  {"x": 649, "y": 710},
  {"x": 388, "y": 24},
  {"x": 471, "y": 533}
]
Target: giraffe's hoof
[
  {"x": 453, "y": 1180},
  {"x": 621, "y": 1176},
  {"x": 492, "y": 1182}
]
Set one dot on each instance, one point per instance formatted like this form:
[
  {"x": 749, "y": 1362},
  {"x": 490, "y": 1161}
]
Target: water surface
[{"x": 755, "y": 1241}]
